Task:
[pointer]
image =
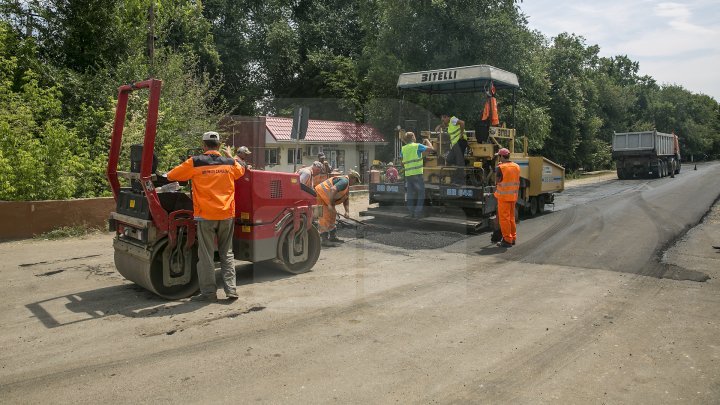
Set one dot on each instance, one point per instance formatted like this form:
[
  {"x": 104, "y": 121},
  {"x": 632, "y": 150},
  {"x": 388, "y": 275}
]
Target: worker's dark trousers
[
  {"x": 207, "y": 231},
  {"x": 456, "y": 157},
  {"x": 415, "y": 194}
]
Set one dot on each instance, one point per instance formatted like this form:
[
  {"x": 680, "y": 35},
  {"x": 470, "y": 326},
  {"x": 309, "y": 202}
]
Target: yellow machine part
[{"x": 545, "y": 175}]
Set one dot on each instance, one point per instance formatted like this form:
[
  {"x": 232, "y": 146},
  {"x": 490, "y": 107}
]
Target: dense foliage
[{"x": 61, "y": 62}]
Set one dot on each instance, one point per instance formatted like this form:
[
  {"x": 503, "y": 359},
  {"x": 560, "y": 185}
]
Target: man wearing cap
[
  {"x": 507, "y": 185},
  {"x": 412, "y": 159},
  {"x": 213, "y": 191},
  {"x": 240, "y": 155},
  {"x": 324, "y": 172},
  {"x": 331, "y": 192},
  {"x": 308, "y": 173}
]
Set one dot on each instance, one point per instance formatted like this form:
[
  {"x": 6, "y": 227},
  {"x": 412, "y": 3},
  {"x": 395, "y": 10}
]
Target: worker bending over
[
  {"x": 412, "y": 159},
  {"x": 307, "y": 174},
  {"x": 507, "y": 185},
  {"x": 213, "y": 193},
  {"x": 331, "y": 192}
]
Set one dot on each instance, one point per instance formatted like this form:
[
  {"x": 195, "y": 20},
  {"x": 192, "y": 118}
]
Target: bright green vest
[
  {"x": 455, "y": 132},
  {"x": 413, "y": 165}
]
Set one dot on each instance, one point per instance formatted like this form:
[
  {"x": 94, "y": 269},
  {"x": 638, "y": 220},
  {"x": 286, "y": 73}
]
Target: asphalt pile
[{"x": 410, "y": 239}]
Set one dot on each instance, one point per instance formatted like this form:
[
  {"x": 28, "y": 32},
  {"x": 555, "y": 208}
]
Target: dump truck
[
  {"x": 646, "y": 153},
  {"x": 155, "y": 234},
  {"x": 471, "y": 202}
]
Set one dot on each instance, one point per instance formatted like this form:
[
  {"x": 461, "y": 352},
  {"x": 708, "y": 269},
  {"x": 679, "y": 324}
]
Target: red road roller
[{"x": 155, "y": 239}]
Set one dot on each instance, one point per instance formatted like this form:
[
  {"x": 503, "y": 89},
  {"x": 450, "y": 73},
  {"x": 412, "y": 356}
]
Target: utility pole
[
  {"x": 151, "y": 36},
  {"x": 29, "y": 24}
]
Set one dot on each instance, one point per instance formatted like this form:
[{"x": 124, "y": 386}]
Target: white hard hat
[
  {"x": 243, "y": 149},
  {"x": 353, "y": 173},
  {"x": 211, "y": 136}
]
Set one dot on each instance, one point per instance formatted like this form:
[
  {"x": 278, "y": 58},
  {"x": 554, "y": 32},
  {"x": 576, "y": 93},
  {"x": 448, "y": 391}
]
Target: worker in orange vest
[
  {"x": 213, "y": 193},
  {"x": 331, "y": 192},
  {"x": 507, "y": 186},
  {"x": 490, "y": 110}
]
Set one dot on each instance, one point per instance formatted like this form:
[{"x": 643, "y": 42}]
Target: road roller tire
[
  {"x": 147, "y": 273},
  {"x": 313, "y": 246}
]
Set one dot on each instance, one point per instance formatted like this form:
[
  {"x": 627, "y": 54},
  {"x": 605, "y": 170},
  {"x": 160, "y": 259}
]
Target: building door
[{"x": 364, "y": 161}]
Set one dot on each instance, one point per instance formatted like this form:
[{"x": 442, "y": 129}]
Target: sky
[{"x": 674, "y": 42}]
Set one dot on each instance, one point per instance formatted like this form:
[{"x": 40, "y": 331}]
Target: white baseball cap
[{"x": 211, "y": 136}]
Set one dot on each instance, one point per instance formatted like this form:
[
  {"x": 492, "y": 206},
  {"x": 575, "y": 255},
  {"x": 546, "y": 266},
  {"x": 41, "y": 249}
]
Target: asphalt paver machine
[
  {"x": 468, "y": 202},
  {"x": 155, "y": 235}
]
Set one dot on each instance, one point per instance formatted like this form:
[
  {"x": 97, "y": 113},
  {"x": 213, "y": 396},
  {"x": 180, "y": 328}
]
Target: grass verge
[{"x": 74, "y": 231}]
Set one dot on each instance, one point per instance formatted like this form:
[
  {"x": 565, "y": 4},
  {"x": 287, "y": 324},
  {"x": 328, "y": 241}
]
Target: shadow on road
[{"x": 133, "y": 301}]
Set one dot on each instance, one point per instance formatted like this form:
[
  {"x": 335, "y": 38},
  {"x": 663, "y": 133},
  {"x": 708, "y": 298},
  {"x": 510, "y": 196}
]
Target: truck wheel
[
  {"x": 541, "y": 204},
  {"x": 672, "y": 168},
  {"x": 533, "y": 206},
  {"x": 621, "y": 174}
]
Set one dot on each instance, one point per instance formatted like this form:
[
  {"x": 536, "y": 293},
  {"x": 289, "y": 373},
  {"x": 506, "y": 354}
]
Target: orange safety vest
[
  {"x": 213, "y": 184},
  {"x": 491, "y": 102},
  {"x": 323, "y": 191},
  {"x": 507, "y": 189}
]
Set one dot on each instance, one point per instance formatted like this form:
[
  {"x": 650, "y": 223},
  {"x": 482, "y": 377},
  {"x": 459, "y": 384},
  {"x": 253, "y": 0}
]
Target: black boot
[
  {"x": 496, "y": 236},
  {"x": 325, "y": 242},
  {"x": 333, "y": 237}
]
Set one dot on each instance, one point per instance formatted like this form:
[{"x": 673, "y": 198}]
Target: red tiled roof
[{"x": 325, "y": 131}]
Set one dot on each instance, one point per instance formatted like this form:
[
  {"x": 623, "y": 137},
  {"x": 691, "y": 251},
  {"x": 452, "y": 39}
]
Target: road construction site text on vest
[{"x": 437, "y": 76}]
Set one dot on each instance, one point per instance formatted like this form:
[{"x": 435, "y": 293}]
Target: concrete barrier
[{"x": 24, "y": 219}]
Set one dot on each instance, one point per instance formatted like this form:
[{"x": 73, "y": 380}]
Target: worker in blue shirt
[{"x": 412, "y": 160}]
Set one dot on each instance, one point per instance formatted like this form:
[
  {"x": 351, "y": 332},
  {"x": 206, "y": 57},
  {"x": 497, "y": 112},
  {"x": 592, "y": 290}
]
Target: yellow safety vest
[
  {"x": 455, "y": 132},
  {"x": 411, "y": 162}
]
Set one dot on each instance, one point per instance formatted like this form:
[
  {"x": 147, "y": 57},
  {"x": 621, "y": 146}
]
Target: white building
[{"x": 346, "y": 145}]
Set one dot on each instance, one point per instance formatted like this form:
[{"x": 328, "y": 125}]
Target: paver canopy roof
[{"x": 465, "y": 79}]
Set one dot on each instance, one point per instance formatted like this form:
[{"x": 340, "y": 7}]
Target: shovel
[{"x": 361, "y": 227}]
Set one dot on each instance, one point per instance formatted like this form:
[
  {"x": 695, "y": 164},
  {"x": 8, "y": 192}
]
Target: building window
[
  {"x": 298, "y": 154},
  {"x": 272, "y": 156}
]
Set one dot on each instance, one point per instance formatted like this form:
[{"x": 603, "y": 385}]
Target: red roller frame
[{"x": 159, "y": 216}]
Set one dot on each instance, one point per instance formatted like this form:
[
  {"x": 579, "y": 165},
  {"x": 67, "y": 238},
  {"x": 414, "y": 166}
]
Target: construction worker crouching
[
  {"x": 507, "y": 186},
  {"x": 331, "y": 192}
]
